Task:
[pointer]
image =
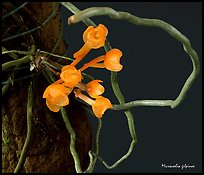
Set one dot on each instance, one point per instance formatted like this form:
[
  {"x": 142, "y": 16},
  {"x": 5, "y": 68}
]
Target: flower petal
[
  {"x": 46, "y": 93},
  {"x": 72, "y": 69},
  {"x": 71, "y": 79},
  {"x": 57, "y": 94},
  {"x": 71, "y": 76},
  {"x": 100, "y": 105},
  {"x": 52, "y": 107},
  {"x": 95, "y": 37},
  {"x": 94, "y": 89},
  {"x": 112, "y": 60},
  {"x": 90, "y": 28}
]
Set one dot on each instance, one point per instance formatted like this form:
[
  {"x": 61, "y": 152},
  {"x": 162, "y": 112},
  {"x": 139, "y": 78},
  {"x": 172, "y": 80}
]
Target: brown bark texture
[{"x": 49, "y": 150}]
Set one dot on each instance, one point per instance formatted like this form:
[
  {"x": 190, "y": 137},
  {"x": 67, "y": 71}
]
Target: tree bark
[{"x": 49, "y": 149}]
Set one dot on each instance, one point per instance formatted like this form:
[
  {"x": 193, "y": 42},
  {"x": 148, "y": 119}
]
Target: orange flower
[
  {"x": 112, "y": 60},
  {"x": 94, "y": 38},
  {"x": 99, "y": 106},
  {"x": 52, "y": 107},
  {"x": 56, "y": 96},
  {"x": 94, "y": 88},
  {"x": 71, "y": 76}
]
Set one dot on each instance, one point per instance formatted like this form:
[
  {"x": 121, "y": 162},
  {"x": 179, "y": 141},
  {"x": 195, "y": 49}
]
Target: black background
[{"x": 155, "y": 67}]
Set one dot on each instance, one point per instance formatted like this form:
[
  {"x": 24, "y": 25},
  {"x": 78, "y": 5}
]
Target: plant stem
[
  {"x": 15, "y": 51},
  {"x": 6, "y": 86},
  {"x": 29, "y": 130},
  {"x": 72, "y": 142},
  {"x": 93, "y": 160},
  {"x": 25, "y": 59},
  {"x": 135, "y": 103},
  {"x": 12, "y": 52}
]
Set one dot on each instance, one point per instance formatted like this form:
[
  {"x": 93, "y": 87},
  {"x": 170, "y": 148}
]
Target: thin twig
[{"x": 29, "y": 130}]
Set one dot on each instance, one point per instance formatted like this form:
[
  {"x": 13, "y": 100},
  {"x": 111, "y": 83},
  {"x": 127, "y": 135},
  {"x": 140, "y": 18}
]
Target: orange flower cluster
[{"x": 70, "y": 80}]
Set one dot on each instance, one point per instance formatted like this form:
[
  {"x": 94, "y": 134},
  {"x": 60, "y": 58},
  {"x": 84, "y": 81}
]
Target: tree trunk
[{"x": 49, "y": 148}]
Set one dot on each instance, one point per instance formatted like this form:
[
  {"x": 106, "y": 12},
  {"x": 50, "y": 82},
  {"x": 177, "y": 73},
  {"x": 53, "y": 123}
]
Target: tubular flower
[
  {"x": 93, "y": 38},
  {"x": 99, "y": 106},
  {"x": 71, "y": 76},
  {"x": 112, "y": 60},
  {"x": 94, "y": 88},
  {"x": 56, "y": 96}
]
